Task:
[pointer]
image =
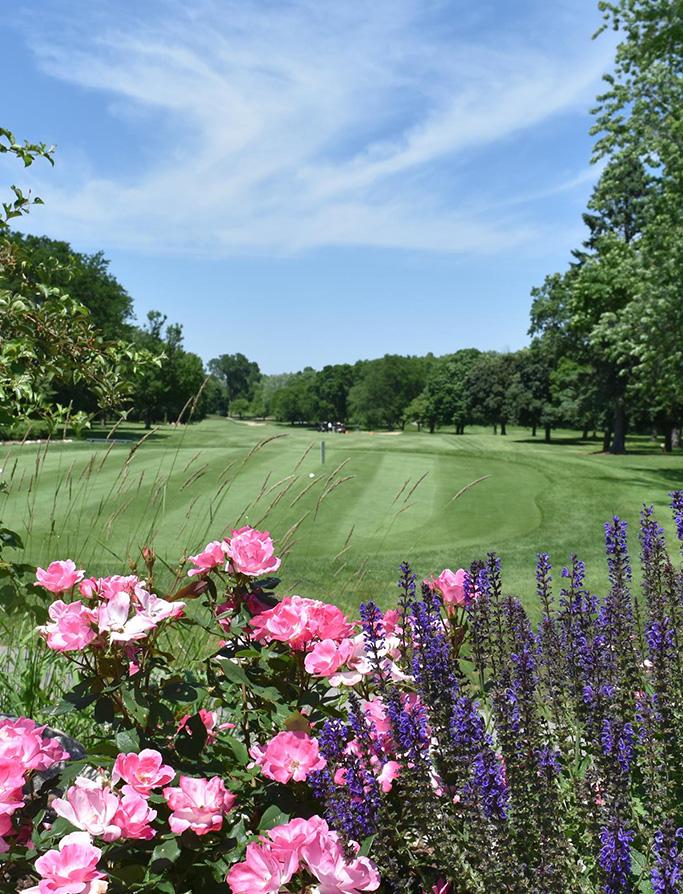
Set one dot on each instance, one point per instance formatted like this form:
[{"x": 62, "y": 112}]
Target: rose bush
[{"x": 446, "y": 745}]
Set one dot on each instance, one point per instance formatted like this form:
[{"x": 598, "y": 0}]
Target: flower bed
[{"x": 445, "y": 745}]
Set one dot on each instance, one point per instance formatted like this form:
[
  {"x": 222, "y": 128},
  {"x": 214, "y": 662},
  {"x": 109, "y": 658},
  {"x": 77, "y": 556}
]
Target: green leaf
[
  {"x": 164, "y": 855},
  {"x": 273, "y": 816},
  {"x": 233, "y": 672},
  {"x": 238, "y": 748},
  {"x": 366, "y": 844},
  {"x": 179, "y": 691},
  {"x": 127, "y": 740}
]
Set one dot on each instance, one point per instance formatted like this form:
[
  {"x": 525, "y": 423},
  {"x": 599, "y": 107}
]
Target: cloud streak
[{"x": 292, "y": 126}]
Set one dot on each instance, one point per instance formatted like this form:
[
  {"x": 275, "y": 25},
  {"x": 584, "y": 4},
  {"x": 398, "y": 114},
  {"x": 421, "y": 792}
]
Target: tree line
[{"x": 606, "y": 351}]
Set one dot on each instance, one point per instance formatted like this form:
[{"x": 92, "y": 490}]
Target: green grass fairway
[{"x": 380, "y": 498}]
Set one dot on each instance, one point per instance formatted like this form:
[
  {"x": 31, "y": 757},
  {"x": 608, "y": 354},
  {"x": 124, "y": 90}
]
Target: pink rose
[
  {"x": 251, "y": 552},
  {"x": 142, "y": 772},
  {"x": 22, "y": 742},
  {"x": 58, "y": 576},
  {"x": 90, "y": 809},
  {"x": 71, "y": 629},
  {"x": 297, "y": 620},
  {"x": 287, "y": 622},
  {"x": 289, "y": 755},
  {"x": 157, "y": 609},
  {"x": 112, "y": 618},
  {"x": 451, "y": 585},
  {"x": 328, "y": 621},
  {"x": 106, "y": 587},
  {"x": 211, "y": 724},
  {"x": 72, "y": 868},
  {"x": 134, "y": 816},
  {"x": 288, "y": 839},
  {"x": 260, "y": 872},
  {"x": 390, "y": 620},
  {"x": 326, "y": 860},
  {"x": 327, "y": 656},
  {"x": 12, "y": 781},
  {"x": 198, "y": 804},
  {"x": 390, "y": 771},
  {"x": 209, "y": 558}
]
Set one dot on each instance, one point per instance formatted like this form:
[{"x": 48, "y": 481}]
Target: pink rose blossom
[
  {"x": 157, "y": 609},
  {"x": 112, "y": 618},
  {"x": 70, "y": 870},
  {"x": 58, "y": 577},
  {"x": 251, "y": 552},
  {"x": 260, "y": 873},
  {"x": 288, "y": 839},
  {"x": 326, "y": 860},
  {"x": 451, "y": 585},
  {"x": 441, "y": 887},
  {"x": 209, "y": 558},
  {"x": 134, "y": 816},
  {"x": 12, "y": 781},
  {"x": 289, "y": 755},
  {"x": 6, "y": 828},
  {"x": 328, "y": 621},
  {"x": 211, "y": 724},
  {"x": 297, "y": 621},
  {"x": 198, "y": 804},
  {"x": 91, "y": 810},
  {"x": 390, "y": 621},
  {"x": 327, "y": 656},
  {"x": 71, "y": 629},
  {"x": 22, "y": 742},
  {"x": 142, "y": 772},
  {"x": 390, "y": 771},
  {"x": 106, "y": 587}
]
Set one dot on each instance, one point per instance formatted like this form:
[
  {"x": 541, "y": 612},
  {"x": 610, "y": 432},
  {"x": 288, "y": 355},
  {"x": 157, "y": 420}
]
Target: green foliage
[
  {"x": 40, "y": 261},
  {"x": 27, "y": 153},
  {"x": 385, "y": 387},
  {"x": 238, "y": 375},
  {"x": 172, "y": 390}
]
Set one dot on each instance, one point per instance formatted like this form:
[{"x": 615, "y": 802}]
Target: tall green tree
[
  {"x": 173, "y": 390},
  {"x": 86, "y": 278},
  {"x": 488, "y": 385},
  {"x": 238, "y": 374},
  {"x": 447, "y": 399},
  {"x": 50, "y": 343},
  {"x": 385, "y": 388}
]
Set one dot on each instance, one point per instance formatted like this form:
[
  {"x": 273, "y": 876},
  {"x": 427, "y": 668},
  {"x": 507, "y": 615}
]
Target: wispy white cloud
[{"x": 302, "y": 124}]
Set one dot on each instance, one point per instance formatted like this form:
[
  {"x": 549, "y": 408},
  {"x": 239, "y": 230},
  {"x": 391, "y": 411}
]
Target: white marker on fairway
[{"x": 311, "y": 474}]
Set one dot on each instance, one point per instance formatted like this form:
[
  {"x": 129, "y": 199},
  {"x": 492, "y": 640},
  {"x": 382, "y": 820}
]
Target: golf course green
[{"x": 343, "y": 526}]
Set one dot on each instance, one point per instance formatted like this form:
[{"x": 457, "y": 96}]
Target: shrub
[{"x": 446, "y": 745}]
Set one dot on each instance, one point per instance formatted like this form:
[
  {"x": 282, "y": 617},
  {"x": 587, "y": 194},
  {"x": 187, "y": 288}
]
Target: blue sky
[{"x": 313, "y": 181}]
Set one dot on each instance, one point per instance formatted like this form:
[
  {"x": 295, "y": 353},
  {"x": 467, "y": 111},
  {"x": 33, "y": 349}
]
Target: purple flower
[
  {"x": 615, "y": 858},
  {"x": 677, "y": 508},
  {"x": 666, "y": 874}
]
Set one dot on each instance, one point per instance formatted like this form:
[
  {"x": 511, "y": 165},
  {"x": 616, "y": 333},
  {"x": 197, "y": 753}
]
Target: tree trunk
[
  {"x": 584, "y": 433},
  {"x": 495, "y": 428},
  {"x": 432, "y": 426},
  {"x": 619, "y": 439},
  {"x": 419, "y": 425},
  {"x": 547, "y": 430},
  {"x": 503, "y": 428},
  {"x": 606, "y": 439},
  {"x": 668, "y": 440},
  {"x": 533, "y": 430}
]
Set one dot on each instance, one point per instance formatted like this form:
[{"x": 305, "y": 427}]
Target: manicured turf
[{"x": 385, "y": 498}]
